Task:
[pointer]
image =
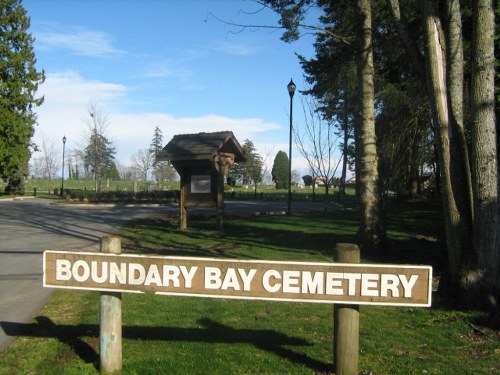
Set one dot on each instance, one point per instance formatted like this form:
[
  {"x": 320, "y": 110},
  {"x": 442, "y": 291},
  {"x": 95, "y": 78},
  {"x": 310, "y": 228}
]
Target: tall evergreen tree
[
  {"x": 157, "y": 142},
  {"x": 279, "y": 172},
  {"x": 252, "y": 169},
  {"x": 100, "y": 158},
  {"x": 249, "y": 172},
  {"x": 162, "y": 170},
  {"x": 248, "y": 168},
  {"x": 19, "y": 81},
  {"x": 345, "y": 43}
]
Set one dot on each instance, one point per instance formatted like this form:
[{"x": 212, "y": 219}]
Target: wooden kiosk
[{"x": 202, "y": 160}]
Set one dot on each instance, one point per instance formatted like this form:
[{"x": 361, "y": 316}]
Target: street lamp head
[
  {"x": 64, "y": 139},
  {"x": 291, "y": 88}
]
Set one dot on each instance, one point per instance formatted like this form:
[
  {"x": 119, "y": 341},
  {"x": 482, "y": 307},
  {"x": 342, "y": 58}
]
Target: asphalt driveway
[{"x": 29, "y": 227}]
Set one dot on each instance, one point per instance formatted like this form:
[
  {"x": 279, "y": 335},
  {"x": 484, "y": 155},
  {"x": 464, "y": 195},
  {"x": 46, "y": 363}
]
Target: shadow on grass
[
  {"x": 212, "y": 332},
  {"x": 311, "y": 233},
  {"x": 414, "y": 236}
]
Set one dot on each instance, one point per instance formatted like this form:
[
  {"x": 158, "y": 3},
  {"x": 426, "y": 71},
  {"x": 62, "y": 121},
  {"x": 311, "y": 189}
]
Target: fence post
[
  {"x": 110, "y": 316},
  {"x": 346, "y": 321}
]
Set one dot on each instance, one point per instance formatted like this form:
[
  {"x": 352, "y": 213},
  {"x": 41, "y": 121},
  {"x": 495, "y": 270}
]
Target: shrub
[{"x": 123, "y": 197}]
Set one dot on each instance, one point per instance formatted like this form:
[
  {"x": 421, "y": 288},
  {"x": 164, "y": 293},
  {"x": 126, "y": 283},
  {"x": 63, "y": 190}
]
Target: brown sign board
[{"x": 360, "y": 284}]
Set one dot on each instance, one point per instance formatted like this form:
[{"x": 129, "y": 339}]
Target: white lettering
[
  {"x": 118, "y": 273},
  {"x": 212, "y": 278},
  {"x": 352, "y": 277},
  {"x": 291, "y": 281},
  {"x": 408, "y": 284},
  {"x": 389, "y": 282},
  {"x": 153, "y": 276},
  {"x": 63, "y": 269},
  {"x": 265, "y": 281},
  {"x": 366, "y": 284},
  {"x": 230, "y": 280},
  {"x": 369, "y": 284},
  {"x": 247, "y": 277},
  {"x": 312, "y": 285},
  {"x": 188, "y": 275},
  {"x": 136, "y": 274},
  {"x": 171, "y": 274},
  {"x": 334, "y": 283},
  {"x": 84, "y": 266},
  {"x": 104, "y": 272}
]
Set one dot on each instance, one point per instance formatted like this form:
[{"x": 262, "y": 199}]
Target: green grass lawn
[
  {"x": 46, "y": 187},
  {"x": 181, "y": 335}
]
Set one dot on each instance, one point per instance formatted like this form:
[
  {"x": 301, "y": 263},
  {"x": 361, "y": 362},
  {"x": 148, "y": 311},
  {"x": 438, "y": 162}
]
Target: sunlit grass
[{"x": 181, "y": 335}]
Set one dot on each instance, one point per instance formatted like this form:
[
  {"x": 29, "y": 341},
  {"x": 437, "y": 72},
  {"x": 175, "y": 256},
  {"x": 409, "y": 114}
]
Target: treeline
[{"x": 411, "y": 87}]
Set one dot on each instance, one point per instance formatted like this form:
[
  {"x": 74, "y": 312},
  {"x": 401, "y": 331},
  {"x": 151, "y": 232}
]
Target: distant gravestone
[{"x": 202, "y": 160}]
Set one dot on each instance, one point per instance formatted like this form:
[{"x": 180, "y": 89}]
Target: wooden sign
[{"x": 241, "y": 279}]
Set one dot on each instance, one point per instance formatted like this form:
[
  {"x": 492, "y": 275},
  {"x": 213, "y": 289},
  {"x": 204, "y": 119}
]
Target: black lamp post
[
  {"x": 62, "y": 178},
  {"x": 291, "y": 90}
]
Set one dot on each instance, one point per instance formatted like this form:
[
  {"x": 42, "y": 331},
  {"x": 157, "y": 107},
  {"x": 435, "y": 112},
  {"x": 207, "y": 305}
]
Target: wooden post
[
  {"x": 220, "y": 195},
  {"x": 222, "y": 162},
  {"x": 110, "y": 315},
  {"x": 182, "y": 201},
  {"x": 346, "y": 321}
]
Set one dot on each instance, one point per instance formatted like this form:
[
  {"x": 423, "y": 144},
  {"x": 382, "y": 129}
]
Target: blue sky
[{"x": 168, "y": 64}]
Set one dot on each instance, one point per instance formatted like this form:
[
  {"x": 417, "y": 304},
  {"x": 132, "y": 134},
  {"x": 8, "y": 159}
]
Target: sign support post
[
  {"x": 110, "y": 316},
  {"x": 346, "y": 321}
]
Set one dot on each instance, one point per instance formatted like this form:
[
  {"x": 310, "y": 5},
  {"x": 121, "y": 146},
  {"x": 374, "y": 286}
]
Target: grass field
[
  {"x": 47, "y": 187},
  {"x": 180, "y": 335}
]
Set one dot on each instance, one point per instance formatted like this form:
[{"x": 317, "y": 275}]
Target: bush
[{"x": 123, "y": 197}]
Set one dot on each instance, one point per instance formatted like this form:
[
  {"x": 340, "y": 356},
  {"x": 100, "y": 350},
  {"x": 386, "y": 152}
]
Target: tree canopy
[
  {"x": 431, "y": 82},
  {"x": 162, "y": 170},
  {"x": 249, "y": 172},
  {"x": 279, "y": 172},
  {"x": 99, "y": 154}
]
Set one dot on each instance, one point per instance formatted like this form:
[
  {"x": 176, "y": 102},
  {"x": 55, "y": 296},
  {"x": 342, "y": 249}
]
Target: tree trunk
[
  {"x": 409, "y": 44},
  {"x": 455, "y": 79},
  {"x": 344, "y": 154},
  {"x": 481, "y": 276},
  {"x": 457, "y": 222},
  {"x": 326, "y": 201},
  {"x": 371, "y": 234}
]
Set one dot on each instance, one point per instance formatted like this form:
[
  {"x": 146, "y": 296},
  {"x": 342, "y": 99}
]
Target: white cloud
[
  {"x": 68, "y": 96},
  {"x": 78, "y": 40},
  {"x": 70, "y": 88},
  {"x": 176, "y": 73},
  {"x": 237, "y": 49},
  {"x": 133, "y": 132}
]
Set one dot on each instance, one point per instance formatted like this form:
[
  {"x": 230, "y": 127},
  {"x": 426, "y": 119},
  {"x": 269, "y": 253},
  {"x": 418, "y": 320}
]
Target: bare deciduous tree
[
  {"x": 46, "y": 165},
  {"x": 142, "y": 162},
  {"x": 317, "y": 142}
]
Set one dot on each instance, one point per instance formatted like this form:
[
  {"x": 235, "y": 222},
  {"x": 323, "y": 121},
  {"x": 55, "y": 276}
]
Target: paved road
[{"x": 30, "y": 226}]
